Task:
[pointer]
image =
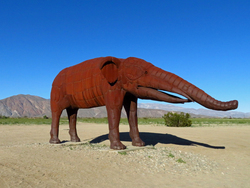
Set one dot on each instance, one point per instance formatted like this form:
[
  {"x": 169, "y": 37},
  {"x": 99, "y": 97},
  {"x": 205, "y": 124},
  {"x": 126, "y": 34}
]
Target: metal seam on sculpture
[
  {"x": 95, "y": 91},
  {"x": 84, "y": 101},
  {"x": 101, "y": 99},
  {"x": 97, "y": 102},
  {"x": 219, "y": 103},
  {"x": 206, "y": 95},
  {"x": 187, "y": 85},
  {"x": 162, "y": 75},
  {"x": 156, "y": 86},
  {"x": 222, "y": 105},
  {"x": 208, "y": 100},
  {"x": 201, "y": 93},
  {"x": 158, "y": 73},
  {"x": 74, "y": 100},
  {"x": 170, "y": 78},
  {"x": 85, "y": 93},
  {"x": 154, "y": 72},
  {"x": 203, "y": 97},
  {"x": 192, "y": 91},
  {"x": 173, "y": 78},
  {"x": 176, "y": 80},
  {"x": 165, "y": 75},
  {"x": 91, "y": 93},
  {"x": 182, "y": 86},
  {"x": 98, "y": 90},
  {"x": 196, "y": 92},
  {"x": 216, "y": 102}
]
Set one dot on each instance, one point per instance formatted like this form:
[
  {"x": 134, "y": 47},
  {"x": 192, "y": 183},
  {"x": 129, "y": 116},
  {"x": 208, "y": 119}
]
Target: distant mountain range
[
  {"x": 195, "y": 112},
  {"x": 24, "y": 105},
  {"x": 34, "y": 106}
]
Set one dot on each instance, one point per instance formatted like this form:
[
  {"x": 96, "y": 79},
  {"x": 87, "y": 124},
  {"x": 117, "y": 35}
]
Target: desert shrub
[
  {"x": 45, "y": 117},
  {"x": 177, "y": 120},
  {"x": 3, "y": 117}
]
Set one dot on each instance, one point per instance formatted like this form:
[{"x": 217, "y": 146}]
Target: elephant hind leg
[
  {"x": 57, "y": 106},
  {"x": 55, "y": 127},
  {"x": 72, "y": 116}
]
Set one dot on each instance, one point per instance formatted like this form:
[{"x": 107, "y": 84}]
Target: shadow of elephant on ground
[{"x": 155, "y": 138}]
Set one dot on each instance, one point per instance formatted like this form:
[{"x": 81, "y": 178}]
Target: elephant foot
[
  {"x": 117, "y": 145},
  {"x": 54, "y": 141},
  {"x": 138, "y": 142},
  {"x": 75, "y": 139}
]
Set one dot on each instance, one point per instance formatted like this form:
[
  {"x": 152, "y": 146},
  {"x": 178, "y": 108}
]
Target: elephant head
[{"x": 146, "y": 81}]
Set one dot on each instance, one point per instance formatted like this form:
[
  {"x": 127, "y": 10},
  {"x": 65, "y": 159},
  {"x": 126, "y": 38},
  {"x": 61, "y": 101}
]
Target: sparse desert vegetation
[{"x": 196, "y": 122}]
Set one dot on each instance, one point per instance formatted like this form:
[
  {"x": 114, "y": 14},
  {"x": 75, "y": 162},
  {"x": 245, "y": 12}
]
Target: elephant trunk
[{"x": 163, "y": 80}]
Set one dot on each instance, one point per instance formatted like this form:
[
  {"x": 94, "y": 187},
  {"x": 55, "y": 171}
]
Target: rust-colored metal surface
[{"x": 115, "y": 83}]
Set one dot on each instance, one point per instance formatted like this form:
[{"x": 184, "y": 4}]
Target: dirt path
[{"x": 188, "y": 157}]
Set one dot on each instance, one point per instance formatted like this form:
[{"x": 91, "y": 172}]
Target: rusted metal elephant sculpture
[{"x": 115, "y": 83}]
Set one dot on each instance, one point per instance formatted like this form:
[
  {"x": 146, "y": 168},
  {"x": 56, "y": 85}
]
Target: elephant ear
[{"x": 109, "y": 68}]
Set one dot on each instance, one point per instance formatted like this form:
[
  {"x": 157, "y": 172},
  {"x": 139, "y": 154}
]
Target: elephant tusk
[{"x": 151, "y": 93}]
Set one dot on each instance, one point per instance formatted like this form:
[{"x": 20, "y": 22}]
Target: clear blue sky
[{"x": 206, "y": 42}]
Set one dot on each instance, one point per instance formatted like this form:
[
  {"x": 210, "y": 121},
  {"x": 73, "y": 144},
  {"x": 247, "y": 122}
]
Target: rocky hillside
[{"x": 24, "y": 105}]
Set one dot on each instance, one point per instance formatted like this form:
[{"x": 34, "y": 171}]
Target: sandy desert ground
[{"x": 182, "y": 157}]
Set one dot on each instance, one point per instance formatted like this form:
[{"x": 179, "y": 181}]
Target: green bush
[
  {"x": 177, "y": 120},
  {"x": 3, "y": 117},
  {"x": 45, "y": 117}
]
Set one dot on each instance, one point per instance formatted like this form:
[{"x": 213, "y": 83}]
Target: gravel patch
[
  {"x": 151, "y": 160},
  {"x": 156, "y": 160}
]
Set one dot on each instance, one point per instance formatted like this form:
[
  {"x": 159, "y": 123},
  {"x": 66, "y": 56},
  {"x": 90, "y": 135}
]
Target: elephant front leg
[
  {"x": 130, "y": 105},
  {"x": 114, "y": 135},
  {"x": 114, "y": 101}
]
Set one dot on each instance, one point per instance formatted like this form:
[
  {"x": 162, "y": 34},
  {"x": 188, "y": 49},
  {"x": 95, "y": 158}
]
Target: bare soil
[{"x": 182, "y": 157}]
